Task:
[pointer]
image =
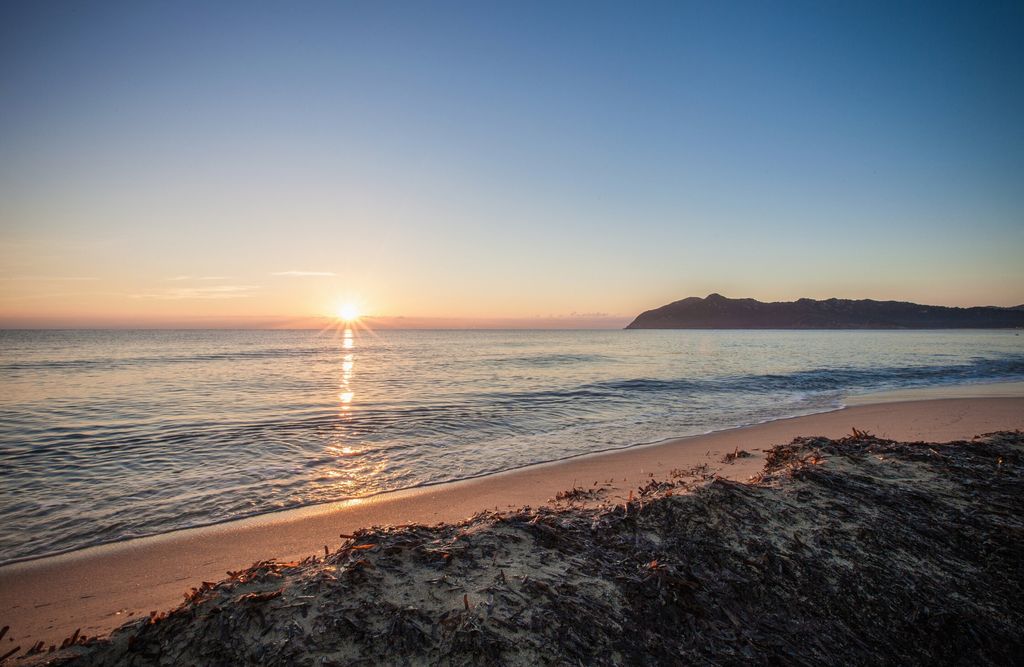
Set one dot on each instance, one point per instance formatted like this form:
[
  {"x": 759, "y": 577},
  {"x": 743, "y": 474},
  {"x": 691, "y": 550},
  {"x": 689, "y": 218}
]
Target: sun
[{"x": 348, "y": 312}]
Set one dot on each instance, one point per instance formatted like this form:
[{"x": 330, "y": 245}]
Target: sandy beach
[{"x": 98, "y": 589}]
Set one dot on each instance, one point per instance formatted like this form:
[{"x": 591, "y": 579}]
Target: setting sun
[{"x": 348, "y": 312}]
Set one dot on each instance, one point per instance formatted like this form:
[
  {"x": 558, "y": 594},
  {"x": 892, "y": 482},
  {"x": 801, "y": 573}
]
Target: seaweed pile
[{"x": 852, "y": 551}]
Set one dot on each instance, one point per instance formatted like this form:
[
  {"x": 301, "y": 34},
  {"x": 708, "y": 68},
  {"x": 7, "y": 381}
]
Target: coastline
[
  {"x": 1000, "y": 389},
  {"x": 288, "y": 514},
  {"x": 98, "y": 588},
  {"x": 986, "y": 389}
]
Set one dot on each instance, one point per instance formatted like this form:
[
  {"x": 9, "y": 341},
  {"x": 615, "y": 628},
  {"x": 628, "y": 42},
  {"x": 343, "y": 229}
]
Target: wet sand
[
  {"x": 984, "y": 390},
  {"x": 98, "y": 589}
]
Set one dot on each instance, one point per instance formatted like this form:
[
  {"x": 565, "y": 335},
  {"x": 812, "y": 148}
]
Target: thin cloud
[
  {"x": 216, "y": 292},
  {"x": 53, "y": 295},
  {"x": 303, "y": 274},
  {"x": 180, "y": 278},
  {"x": 49, "y": 278}
]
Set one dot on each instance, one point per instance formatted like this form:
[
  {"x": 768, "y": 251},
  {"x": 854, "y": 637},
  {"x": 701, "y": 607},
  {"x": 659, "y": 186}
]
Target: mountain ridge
[{"x": 718, "y": 312}]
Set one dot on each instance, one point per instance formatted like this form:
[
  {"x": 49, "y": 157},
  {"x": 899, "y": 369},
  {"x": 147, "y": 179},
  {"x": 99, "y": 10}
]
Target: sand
[{"x": 100, "y": 588}]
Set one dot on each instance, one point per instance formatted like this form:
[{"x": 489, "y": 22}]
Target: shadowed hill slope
[{"x": 718, "y": 312}]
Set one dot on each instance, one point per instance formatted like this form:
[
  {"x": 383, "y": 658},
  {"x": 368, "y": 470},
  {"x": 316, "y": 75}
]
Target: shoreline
[
  {"x": 987, "y": 389},
  {"x": 100, "y": 587},
  {"x": 298, "y": 511}
]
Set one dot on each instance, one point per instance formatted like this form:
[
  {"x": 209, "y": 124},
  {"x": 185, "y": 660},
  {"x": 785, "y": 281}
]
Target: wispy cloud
[
  {"x": 49, "y": 278},
  {"x": 53, "y": 295},
  {"x": 215, "y": 292},
  {"x": 180, "y": 278},
  {"x": 303, "y": 274}
]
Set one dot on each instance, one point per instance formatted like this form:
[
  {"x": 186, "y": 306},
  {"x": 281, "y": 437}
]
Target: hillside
[{"x": 718, "y": 312}]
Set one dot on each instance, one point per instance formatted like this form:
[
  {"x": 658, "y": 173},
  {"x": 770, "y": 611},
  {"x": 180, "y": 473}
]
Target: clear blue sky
[{"x": 505, "y": 160}]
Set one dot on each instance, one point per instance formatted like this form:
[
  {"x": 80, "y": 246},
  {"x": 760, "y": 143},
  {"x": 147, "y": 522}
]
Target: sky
[{"x": 488, "y": 163}]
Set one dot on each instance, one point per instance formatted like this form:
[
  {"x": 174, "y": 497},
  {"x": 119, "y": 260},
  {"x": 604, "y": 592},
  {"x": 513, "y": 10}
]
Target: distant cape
[{"x": 717, "y": 312}]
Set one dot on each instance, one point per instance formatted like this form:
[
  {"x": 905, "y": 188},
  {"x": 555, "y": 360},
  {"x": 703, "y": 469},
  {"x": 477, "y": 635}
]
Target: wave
[
  {"x": 548, "y": 360},
  {"x": 819, "y": 379},
  {"x": 122, "y": 362},
  {"x": 516, "y": 411},
  {"x": 188, "y": 453}
]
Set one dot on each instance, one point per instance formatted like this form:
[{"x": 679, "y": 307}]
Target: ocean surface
[{"x": 108, "y": 435}]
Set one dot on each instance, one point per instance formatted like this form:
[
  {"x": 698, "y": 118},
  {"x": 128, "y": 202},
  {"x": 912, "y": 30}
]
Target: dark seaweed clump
[{"x": 852, "y": 551}]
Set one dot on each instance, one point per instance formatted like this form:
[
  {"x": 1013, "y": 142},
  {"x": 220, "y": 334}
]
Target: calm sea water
[{"x": 107, "y": 435}]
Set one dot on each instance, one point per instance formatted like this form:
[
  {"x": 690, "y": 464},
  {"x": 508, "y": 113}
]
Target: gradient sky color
[{"x": 257, "y": 163}]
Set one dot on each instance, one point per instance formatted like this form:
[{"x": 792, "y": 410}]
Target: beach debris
[
  {"x": 73, "y": 639},
  {"x": 738, "y": 453},
  {"x": 260, "y": 597},
  {"x": 579, "y": 494},
  {"x": 701, "y": 472},
  {"x": 886, "y": 555},
  {"x": 654, "y": 487}
]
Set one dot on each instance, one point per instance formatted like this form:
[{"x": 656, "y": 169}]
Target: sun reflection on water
[
  {"x": 351, "y": 474},
  {"x": 342, "y": 451},
  {"x": 348, "y": 364}
]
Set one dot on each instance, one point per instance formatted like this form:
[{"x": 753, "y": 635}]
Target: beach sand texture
[{"x": 98, "y": 589}]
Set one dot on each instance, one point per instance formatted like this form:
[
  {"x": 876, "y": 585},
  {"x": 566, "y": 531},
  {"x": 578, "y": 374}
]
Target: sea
[{"x": 111, "y": 435}]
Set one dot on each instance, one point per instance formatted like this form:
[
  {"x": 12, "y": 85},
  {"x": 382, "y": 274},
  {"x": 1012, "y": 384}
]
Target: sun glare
[{"x": 348, "y": 312}]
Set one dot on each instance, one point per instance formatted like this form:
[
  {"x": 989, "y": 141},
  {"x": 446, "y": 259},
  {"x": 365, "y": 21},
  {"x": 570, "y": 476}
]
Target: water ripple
[{"x": 110, "y": 435}]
